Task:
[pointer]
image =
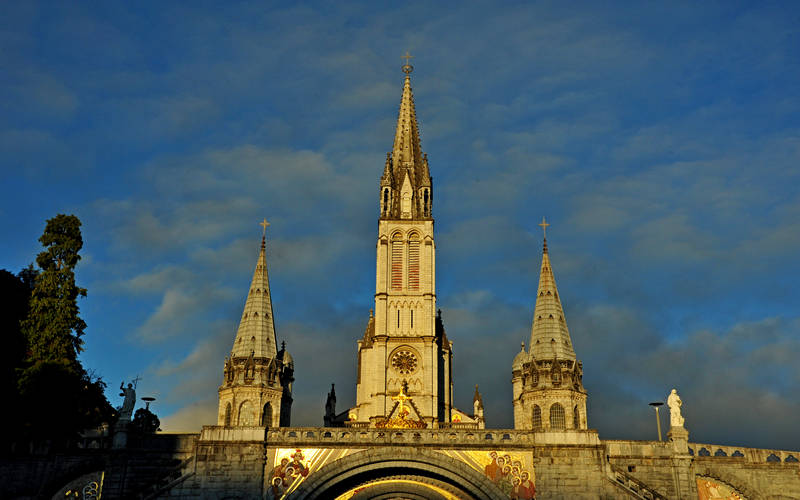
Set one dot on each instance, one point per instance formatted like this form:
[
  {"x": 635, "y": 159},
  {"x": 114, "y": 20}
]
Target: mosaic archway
[
  {"x": 710, "y": 488},
  {"x": 393, "y": 472}
]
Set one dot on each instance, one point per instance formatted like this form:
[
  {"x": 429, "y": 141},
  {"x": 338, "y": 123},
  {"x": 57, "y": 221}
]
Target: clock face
[{"x": 404, "y": 362}]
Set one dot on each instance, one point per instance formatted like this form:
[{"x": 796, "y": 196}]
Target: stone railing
[
  {"x": 746, "y": 455},
  {"x": 623, "y": 448},
  {"x": 357, "y": 425},
  {"x": 634, "y": 486},
  {"x": 440, "y": 438},
  {"x": 459, "y": 425},
  {"x": 171, "y": 479}
]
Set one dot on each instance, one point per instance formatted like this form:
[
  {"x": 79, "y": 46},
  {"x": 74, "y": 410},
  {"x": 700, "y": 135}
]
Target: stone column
[
  {"x": 679, "y": 439},
  {"x": 121, "y": 433}
]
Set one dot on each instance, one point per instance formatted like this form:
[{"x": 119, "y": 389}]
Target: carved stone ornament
[{"x": 404, "y": 362}]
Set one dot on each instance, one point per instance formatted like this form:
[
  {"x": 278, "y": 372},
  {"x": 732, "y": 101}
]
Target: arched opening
[
  {"x": 712, "y": 487},
  {"x": 228, "y": 415},
  {"x": 266, "y": 415},
  {"x": 576, "y": 418},
  {"x": 397, "y": 473},
  {"x": 246, "y": 416},
  {"x": 537, "y": 418},
  {"x": 557, "y": 419}
]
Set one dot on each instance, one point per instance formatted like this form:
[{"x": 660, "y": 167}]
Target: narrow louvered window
[
  {"x": 397, "y": 262},
  {"x": 413, "y": 262}
]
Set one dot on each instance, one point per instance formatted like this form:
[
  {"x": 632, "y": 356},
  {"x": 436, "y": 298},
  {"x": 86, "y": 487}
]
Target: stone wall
[
  {"x": 225, "y": 461},
  {"x": 229, "y": 459}
]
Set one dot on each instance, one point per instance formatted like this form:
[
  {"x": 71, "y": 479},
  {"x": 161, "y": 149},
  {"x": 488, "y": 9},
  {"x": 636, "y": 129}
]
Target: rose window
[{"x": 404, "y": 362}]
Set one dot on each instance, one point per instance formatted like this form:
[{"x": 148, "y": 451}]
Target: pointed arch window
[
  {"x": 397, "y": 262},
  {"x": 266, "y": 415},
  {"x": 537, "y": 417},
  {"x": 557, "y": 419},
  {"x": 413, "y": 262},
  {"x": 246, "y": 414}
]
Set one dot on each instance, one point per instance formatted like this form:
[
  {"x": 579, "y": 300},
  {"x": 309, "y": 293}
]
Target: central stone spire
[
  {"x": 406, "y": 187},
  {"x": 404, "y": 349}
]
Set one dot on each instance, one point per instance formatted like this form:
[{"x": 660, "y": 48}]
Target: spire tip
[
  {"x": 544, "y": 225},
  {"x": 264, "y": 225},
  {"x": 407, "y": 68}
]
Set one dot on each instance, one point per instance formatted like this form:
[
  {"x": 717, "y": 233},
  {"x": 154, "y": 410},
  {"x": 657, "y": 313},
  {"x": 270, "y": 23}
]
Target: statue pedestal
[
  {"x": 121, "y": 434},
  {"x": 679, "y": 437}
]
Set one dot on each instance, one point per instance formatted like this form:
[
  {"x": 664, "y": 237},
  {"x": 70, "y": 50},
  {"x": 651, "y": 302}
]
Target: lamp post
[
  {"x": 655, "y": 406},
  {"x": 147, "y": 400}
]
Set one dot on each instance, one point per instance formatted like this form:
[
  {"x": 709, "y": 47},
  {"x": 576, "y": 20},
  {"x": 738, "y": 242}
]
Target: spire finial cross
[
  {"x": 544, "y": 225},
  {"x": 264, "y": 225},
  {"x": 407, "y": 68}
]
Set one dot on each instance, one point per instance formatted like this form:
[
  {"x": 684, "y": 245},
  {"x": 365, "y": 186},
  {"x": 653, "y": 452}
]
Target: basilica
[{"x": 404, "y": 438}]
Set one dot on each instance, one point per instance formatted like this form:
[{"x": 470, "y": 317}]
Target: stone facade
[{"x": 239, "y": 462}]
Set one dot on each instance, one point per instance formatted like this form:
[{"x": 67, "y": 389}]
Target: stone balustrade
[
  {"x": 629, "y": 448},
  {"x": 746, "y": 455},
  {"x": 441, "y": 438}
]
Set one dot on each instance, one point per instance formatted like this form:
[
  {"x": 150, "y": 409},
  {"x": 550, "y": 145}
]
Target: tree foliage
[
  {"x": 53, "y": 396},
  {"x": 53, "y": 327},
  {"x": 145, "y": 421},
  {"x": 15, "y": 292},
  {"x": 60, "y": 399}
]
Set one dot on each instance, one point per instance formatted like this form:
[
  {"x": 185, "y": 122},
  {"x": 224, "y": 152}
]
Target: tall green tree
[
  {"x": 57, "y": 397},
  {"x": 15, "y": 293},
  {"x": 53, "y": 327}
]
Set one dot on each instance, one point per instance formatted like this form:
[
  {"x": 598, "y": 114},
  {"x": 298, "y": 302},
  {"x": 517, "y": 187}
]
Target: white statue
[
  {"x": 674, "y": 402},
  {"x": 130, "y": 400}
]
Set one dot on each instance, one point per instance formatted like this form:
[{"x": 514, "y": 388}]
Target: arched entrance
[{"x": 397, "y": 473}]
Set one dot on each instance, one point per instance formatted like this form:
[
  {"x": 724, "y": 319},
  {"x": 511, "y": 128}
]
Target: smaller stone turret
[
  {"x": 477, "y": 408},
  {"x": 257, "y": 379},
  {"x": 331, "y": 419},
  {"x": 330, "y": 406},
  {"x": 547, "y": 379}
]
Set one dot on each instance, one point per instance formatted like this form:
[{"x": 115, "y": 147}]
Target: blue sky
[{"x": 661, "y": 141}]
